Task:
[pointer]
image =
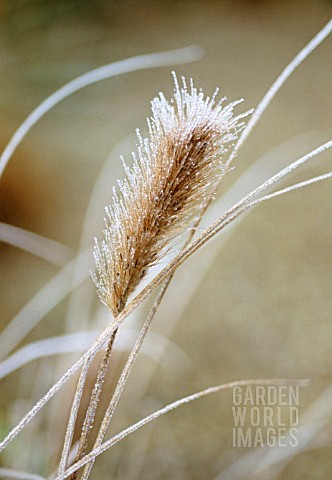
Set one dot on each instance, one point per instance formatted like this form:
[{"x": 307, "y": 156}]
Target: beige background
[{"x": 263, "y": 306}]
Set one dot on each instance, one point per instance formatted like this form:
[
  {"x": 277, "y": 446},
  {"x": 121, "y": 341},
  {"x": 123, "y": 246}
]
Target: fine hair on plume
[{"x": 175, "y": 171}]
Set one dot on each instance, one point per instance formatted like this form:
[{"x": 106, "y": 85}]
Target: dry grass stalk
[
  {"x": 174, "y": 174},
  {"x": 172, "y": 406},
  {"x": 132, "y": 357},
  {"x": 94, "y": 401}
]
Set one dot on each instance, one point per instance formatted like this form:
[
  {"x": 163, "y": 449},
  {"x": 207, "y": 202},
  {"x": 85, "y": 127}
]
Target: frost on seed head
[{"x": 175, "y": 171}]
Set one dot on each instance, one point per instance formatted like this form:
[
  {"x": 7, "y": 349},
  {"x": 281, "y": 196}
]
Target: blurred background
[{"x": 256, "y": 302}]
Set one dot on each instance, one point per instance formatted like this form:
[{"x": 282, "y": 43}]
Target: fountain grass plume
[{"x": 174, "y": 173}]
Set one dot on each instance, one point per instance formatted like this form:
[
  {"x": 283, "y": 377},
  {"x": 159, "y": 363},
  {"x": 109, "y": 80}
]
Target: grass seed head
[{"x": 174, "y": 173}]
